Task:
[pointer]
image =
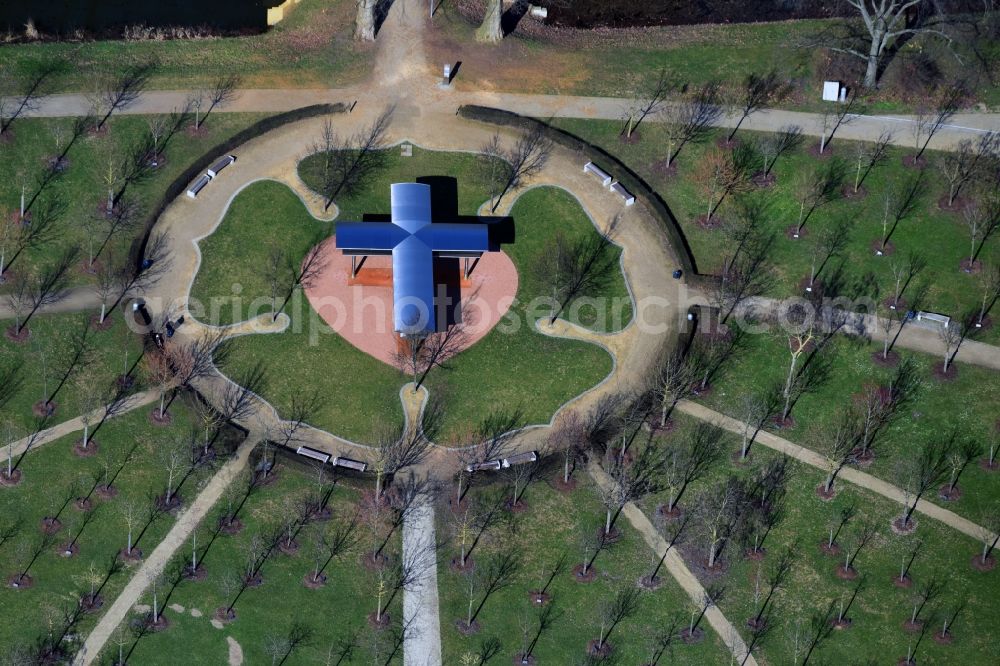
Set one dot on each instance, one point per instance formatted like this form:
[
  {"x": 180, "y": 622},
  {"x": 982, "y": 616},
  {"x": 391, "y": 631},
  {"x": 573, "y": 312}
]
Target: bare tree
[
  {"x": 886, "y": 23},
  {"x": 224, "y": 90},
  {"x": 27, "y": 91},
  {"x": 491, "y": 29},
  {"x": 520, "y": 162},
  {"x": 815, "y": 190},
  {"x": 46, "y": 288},
  {"x": 951, "y": 337},
  {"x": 901, "y": 201},
  {"x": 967, "y": 450},
  {"x": 122, "y": 89},
  {"x": 757, "y": 92},
  {"x": 690, "y": 460},
  {"x": 132, "y": 280},
  {"x": 989, "y": 533},
  {"x": 724, "y": 173},
  {"x": 820, "y": 628},
  {"x": 619, "y": 608},
  {"x": 990, "y": 283},
  {"x": 572, "y": 268},
  {"x": 489, "y": 441},
  {"x": 776, "y": 579},
  {"x": 417, "y": 356},
  {"x": 837, "y": 445},
  {"x": 833, "y": 120},
  {"x": 631, "y": 482},
  {"x": 930, "y": 121},
  {"x": 499, "y": 572},
  {"x": 691, "y": 119},
  {"x": 303, "y": 275},
  {"x": 17, "y": 237},
  {"x": 650, "y": 102},
  {"x": 982, "y": 218},
  {"x": 717, "y": 511},
  {"x": 353, "y": 159},
  {"x": 831, "y": 241},
  {"x": 921, "y": 472},
  {"x": 282, "y": 646},
  {"x": 772, "y": 145},
  {"x": 870, "y": 155},
  {"x": 966, "y": 162}
]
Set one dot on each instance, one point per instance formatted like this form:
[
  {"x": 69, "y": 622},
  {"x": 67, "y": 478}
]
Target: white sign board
[{"x": 831, "y": 91}]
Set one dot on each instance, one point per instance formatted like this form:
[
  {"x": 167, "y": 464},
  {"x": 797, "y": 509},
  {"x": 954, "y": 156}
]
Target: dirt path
[
  {"x": 850, "y": 474},
  {"x": 175, "y": 539},
  {"x": 676, "y": 567}
]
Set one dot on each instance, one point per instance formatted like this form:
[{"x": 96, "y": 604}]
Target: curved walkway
[
  {"x": 851, "y": 474},
  {"x": 164, "y": 551}
]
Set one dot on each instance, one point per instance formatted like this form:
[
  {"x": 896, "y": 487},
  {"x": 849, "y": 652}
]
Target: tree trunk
[
  {"x": 364, "y": 24},
  {"x": 490, "y": 30}
]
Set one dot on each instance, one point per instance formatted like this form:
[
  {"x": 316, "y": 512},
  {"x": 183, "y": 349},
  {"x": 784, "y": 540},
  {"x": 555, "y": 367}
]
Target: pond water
[{"x": 108, "y": 17}]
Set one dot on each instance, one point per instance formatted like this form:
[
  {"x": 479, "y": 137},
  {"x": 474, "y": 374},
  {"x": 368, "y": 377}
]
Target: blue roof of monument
[{"x": 414, "y": 240}]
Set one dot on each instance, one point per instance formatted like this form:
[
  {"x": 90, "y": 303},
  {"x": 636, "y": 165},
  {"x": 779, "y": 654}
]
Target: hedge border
[
  {"x": 180, "y": 183},
  {"x": 618, "y": 170}
]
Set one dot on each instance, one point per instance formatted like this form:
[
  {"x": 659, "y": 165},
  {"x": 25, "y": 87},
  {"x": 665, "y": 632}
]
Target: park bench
[
  {"x": 214, "y": 170},
  {"x": 198, "y": 186},
  {"x": 590, "y": 167},
  {"x": 943, "y": 320},
  {"x": 520, "y": 458},
  {"x": 618, "y": 189},
  {"x": 313, "y": 453},
  {"x": 488, "y": 466},
  {"x": 356, "y": 465}
]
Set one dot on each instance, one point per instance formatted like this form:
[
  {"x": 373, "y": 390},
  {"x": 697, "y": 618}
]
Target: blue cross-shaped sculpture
[{"x": 413, "y": 240}]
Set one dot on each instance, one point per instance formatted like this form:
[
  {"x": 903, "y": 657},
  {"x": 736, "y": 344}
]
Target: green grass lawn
[
  {"x": 881, "y": 608},
  {"x": 940, "y": 237},
  {"x": 49, "y": 474},
  {"x": 44, "y": 359},
  {"x": 554, "y": 524},
  {"x": 82, "y": 186},
  {"x": 360, "y": 390},
  {"x": 335, "y": 612},
  {"x": 939, "y": 407},
  {"x": 311, "y": 48}
]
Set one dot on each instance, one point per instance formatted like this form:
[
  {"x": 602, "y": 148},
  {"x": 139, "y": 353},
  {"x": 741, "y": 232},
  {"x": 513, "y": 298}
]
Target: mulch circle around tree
[
  {"x": 863, "y": 460},
  {"x": 91, "y": 449},
  {"x": 903, "y": 583},
  {"x": 538, "y": 598},
  {"x": 521, "y": 659},
  {"x": 224, "y": 615},
  {"x": 169, "y": 505},
  {"x": 67, "y": 550},
  {"x": 823, "y": 494},
  {"x": 725, "y": 143},
  {"x": 520, "y": 506},
  {"x": 599, "y": 651},
  {"x": 97, "y": 325},
  {"x": 256, "y": 580},
  {"x": 763, "y": 181},
  {"x": 810, "y": 286},
  {"x": 457, "y": 566},
  {"x": 609, "y": 537},
  {"x": 949, "y": 494},
  {"x": 17, "y": 218},
  {"x": 270, "y": 478},
  {"x": 755, "y": 555},
  {"x": 97, "y": 132},
  {"x": 984, "y": 324},
  {"x": 707, "y": 224},
  {"x": 841, "y": 623},
  {"x": 157, "y": 161},
  {"x": 230, "y": 527},
  {"x": 200, "y": 573},
  {"x": 846, "y": 573},
  {"x": 906, "y": 661},
  {"x": 635, "y": 138},
  {"x": 692, "y": 637},
  {"x": 738, "y": 459},
  {"x": 979, "y": 565},
  {"x": 914, "y": 162},
  {"x": 827, "y": 153},
  {"x": 463, "y": 627},
  {"x": 8, "y": 136},
  {"x": 943, "y": 638},
  {"x": 793, "y": 232},
  {"x": 989, "y": 466},
  {"x": 903, "y": 529},
  {"x": 156, "y": 418},
  {"x": 581, "y": 577},
  {"x": 783, "y": 423},
  {"x": 87, "y": 268},
  {"x": 945, "y": 376},
  {"x": 912, "y": 627},
  {"x": 18, "y": 582},
  {"x": 701, "y": 390},
  {"x": 107, "y": 492},
  {"x": 890, "y": 360},
  {"x": 647, "y": 583},
  {"x": 564, "y": 486},
  {"x": 880, "y": 249},
  {"x": 374, "y": 562},
  {"x": 313, "y": 583},
  {"x": 956, "y": 206},
  {"x": 970, "y": 267},
  {"x": 125, "y": 381},
  {"x": 894, "y": 303},
  {"x": 848, "y": 192},
  {"x": 656, "y": 427},
  {"x": 130, "y": 558},
  {"x": 50, "y": 525},
  {"x": 196, "y": 132},
  {"x": 669, "y": 514},
  {"x": 827, "y": 549},
  {"x": 321, "y": 515},
  {"x": 91, "y": 603},
  {"x": 12, "y": 480},
  {"x": 290, "y": 548},
  {"x": 83, "y": 504},
  {"x": 457, "y": 506},
  {"x": 664, "y": 170},
  {"x": 44, "y": 408}
]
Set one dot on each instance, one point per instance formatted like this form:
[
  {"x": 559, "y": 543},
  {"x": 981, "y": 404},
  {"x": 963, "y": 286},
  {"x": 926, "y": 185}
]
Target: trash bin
[{"x": 678, "y": 273}]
